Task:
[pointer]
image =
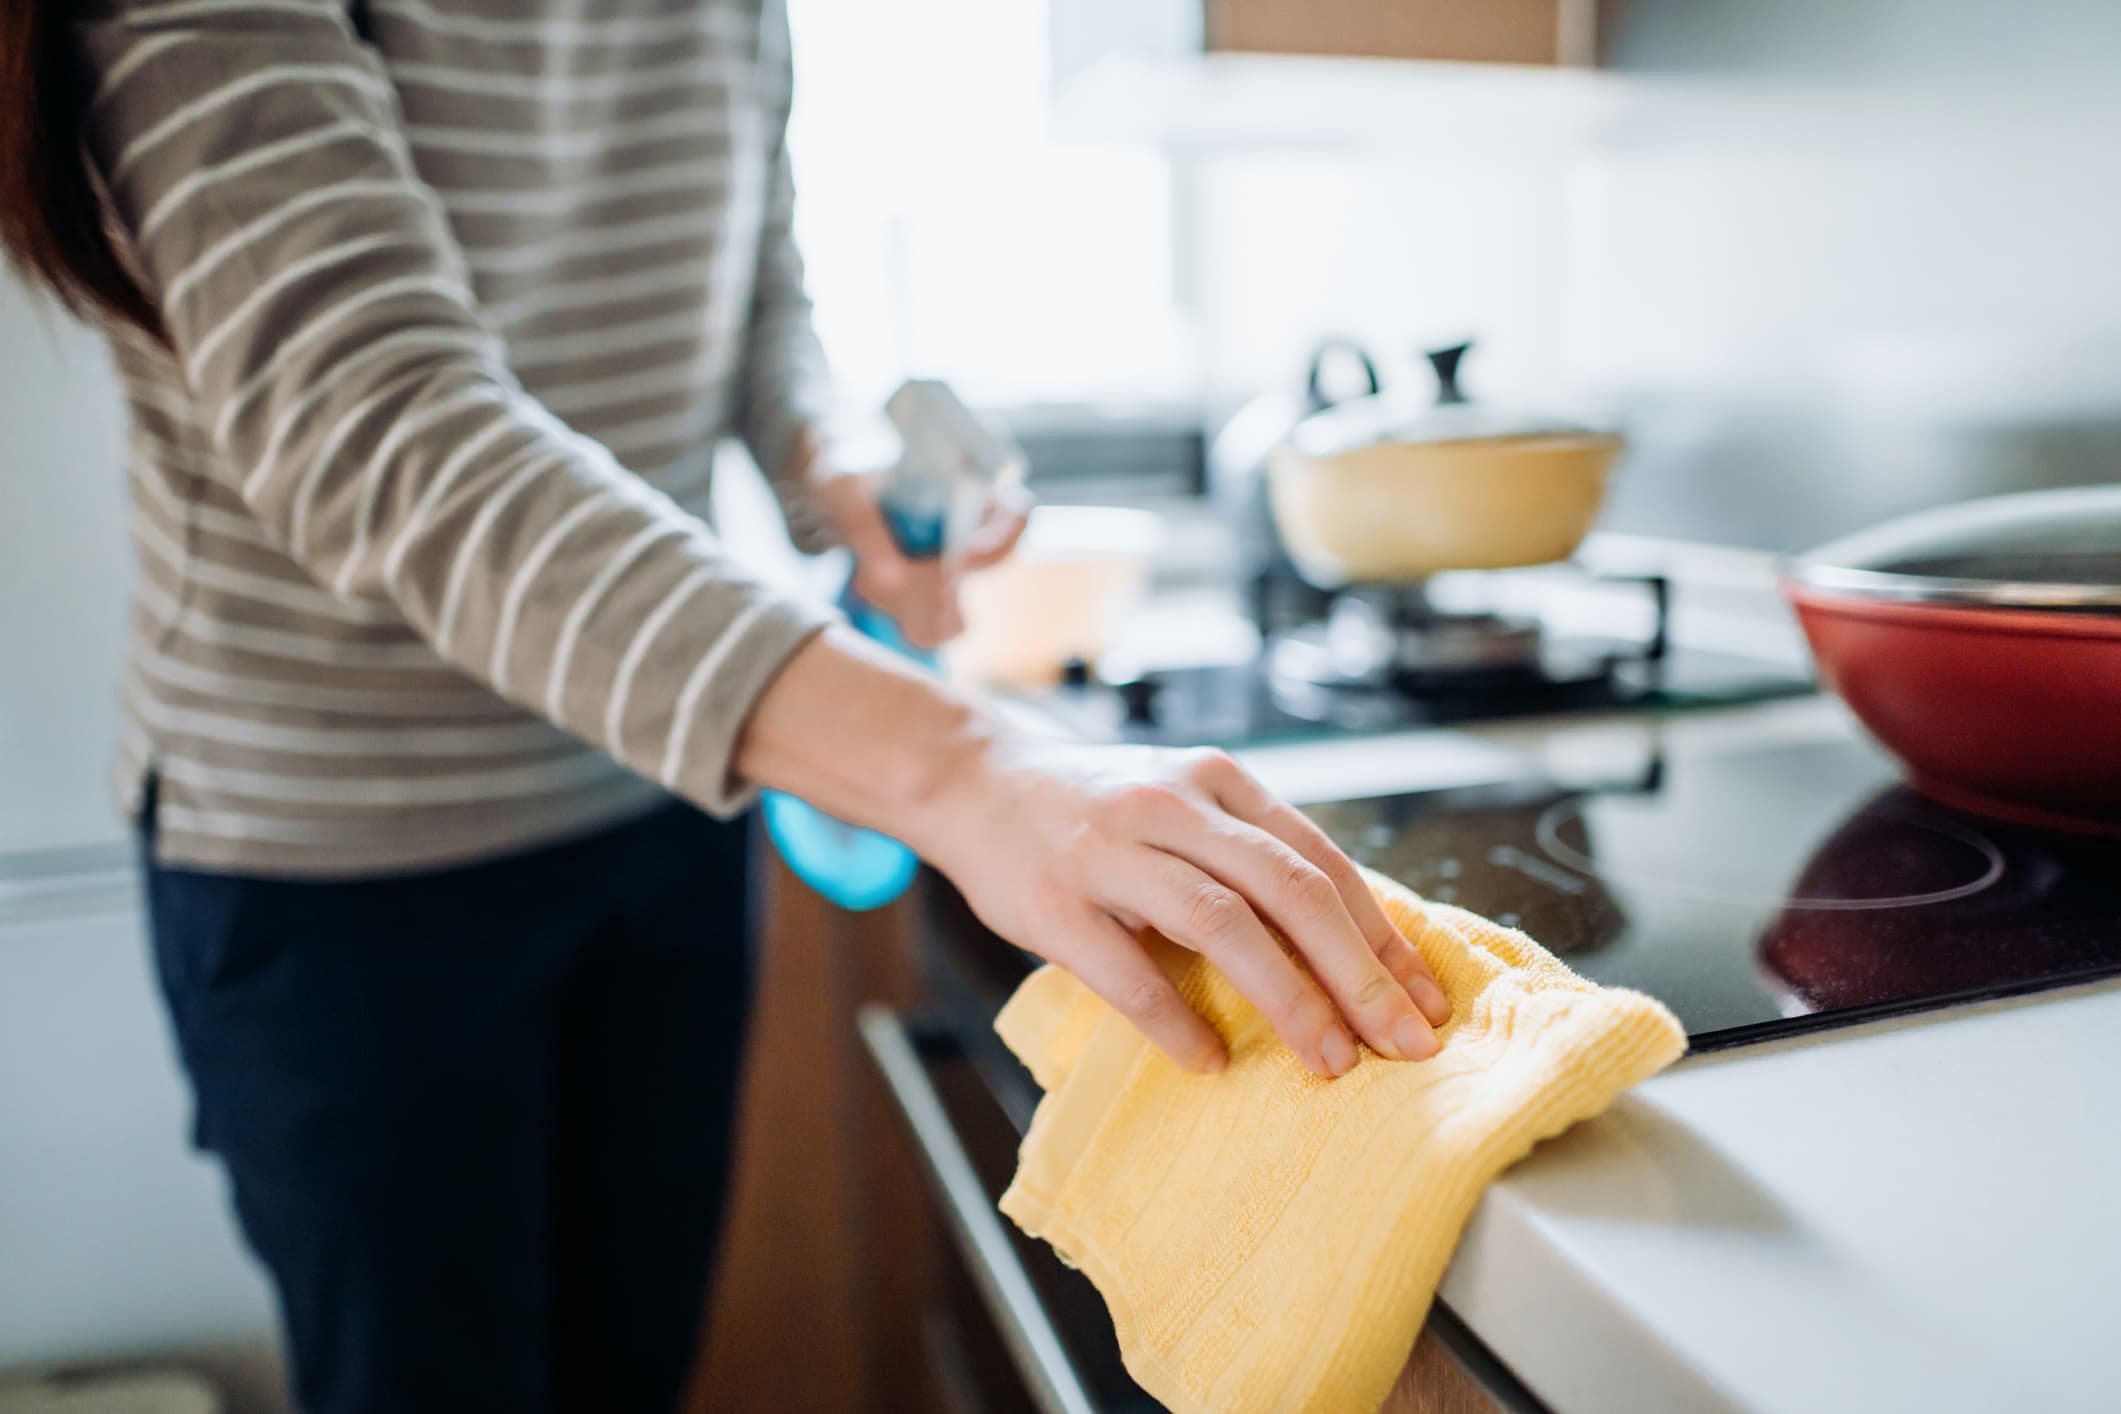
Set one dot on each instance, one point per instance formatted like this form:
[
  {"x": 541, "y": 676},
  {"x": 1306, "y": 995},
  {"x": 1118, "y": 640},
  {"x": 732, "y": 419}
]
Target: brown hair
[{"x": 51, "y": 217}]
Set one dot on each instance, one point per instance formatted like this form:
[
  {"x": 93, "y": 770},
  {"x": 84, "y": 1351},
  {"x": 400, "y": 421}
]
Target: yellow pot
[{"x": 1397, "y": 511}]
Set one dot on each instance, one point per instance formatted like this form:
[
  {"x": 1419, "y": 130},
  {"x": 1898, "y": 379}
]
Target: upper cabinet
[
  {"x": 1194, "y": 74},
  {"x": 1549, "y": 32}
]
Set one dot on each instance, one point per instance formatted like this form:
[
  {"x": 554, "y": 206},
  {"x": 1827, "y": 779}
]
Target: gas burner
[
  {"x": 1395, "y": 638},
  {"x": 1375, "y": 644},
  {"x": 1391, "y": 661},
  {"x": 1374, "y": 654}
]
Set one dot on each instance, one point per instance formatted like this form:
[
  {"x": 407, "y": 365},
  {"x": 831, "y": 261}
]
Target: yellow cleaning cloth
[{"x": 1267, "y": 1240}]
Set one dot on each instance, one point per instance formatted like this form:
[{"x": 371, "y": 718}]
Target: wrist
[
  {"x": 952, "y": 781},
  {"x": 861, "y": 733}
]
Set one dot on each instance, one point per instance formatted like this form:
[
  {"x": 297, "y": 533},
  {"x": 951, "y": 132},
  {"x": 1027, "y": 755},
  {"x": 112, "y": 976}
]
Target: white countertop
[
  {"x": 1908, "y": 1215},
  {"x": 1915, "y": 1215}
]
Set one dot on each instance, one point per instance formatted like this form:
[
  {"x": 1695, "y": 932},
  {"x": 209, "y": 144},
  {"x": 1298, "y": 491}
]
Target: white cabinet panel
[
  {"x": 115, "y": 1238},
  {"x": 64, "y": 568}
]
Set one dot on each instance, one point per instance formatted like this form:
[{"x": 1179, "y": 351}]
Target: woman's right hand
[{"x": 1069, "y": 850}]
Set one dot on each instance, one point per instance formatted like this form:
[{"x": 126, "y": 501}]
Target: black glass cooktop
[
  {"x": 1760, "y": 889},
  {"x": 1246, "y": 704}
]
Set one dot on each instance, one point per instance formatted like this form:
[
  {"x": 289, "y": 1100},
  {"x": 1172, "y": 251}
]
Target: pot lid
[
  {"x": 1446, "y": 417},
  {"x": 1393, "y": 418},
  {"x": 2058, "y": 549}
]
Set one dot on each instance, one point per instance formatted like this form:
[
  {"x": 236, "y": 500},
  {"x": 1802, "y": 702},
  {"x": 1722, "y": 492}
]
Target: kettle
[{"x": 1275, "y": 593}]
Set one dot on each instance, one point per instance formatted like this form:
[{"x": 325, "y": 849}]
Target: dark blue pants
[{"x": 476, "y": 1122}]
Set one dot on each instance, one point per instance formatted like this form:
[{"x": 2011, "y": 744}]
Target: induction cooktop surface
[{"x": 1759, "y": 888}]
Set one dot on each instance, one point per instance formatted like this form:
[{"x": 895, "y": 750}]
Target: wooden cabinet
[
  {"x": 1434, "y": 1383},
  {"x": 1556, "y": 32},
  {"x": 828, "y": 1235},
  {"x": 1194, "y": 76}
]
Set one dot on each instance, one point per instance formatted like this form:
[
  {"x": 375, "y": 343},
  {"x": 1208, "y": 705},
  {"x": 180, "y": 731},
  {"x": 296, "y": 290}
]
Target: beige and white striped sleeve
[
  {"x": 322, "y": 315},
  {"x": 787, "y": 385}
]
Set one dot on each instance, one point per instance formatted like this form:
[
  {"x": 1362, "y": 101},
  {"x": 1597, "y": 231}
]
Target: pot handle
[
  {"x": 1445, "y": 362},
  {"x": 1316, "y": 398}
]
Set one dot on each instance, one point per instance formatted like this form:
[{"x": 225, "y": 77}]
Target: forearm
[
  {"x": 785, "y": 407},
  {"x": 787, "y": 385},
  {"x": 862, "y": 733}
]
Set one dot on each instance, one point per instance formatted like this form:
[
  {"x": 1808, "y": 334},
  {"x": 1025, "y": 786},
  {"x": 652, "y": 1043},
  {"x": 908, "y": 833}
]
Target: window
[{"x": 949, "y": 234}]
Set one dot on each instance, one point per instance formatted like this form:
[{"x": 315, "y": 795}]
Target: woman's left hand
[{"x": 920, "y": 596}]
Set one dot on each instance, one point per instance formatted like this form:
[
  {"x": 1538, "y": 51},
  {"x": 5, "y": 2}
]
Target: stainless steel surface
[
  {"x": 1480, "y": 1365},
  {"x": 1025, "y": 1326},
  {"x": 1373, "y": 636},
  {"x": 92, "y": 880},
  {"x": 1936, "y": 589},
  {"x": 1385, "y": 419},
  {"x": 2057, "y": 549}
]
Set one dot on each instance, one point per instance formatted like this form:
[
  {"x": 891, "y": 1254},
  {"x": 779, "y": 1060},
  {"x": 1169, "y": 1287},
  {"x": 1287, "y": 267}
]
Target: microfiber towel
[{"x": 1269, "y": 1240}]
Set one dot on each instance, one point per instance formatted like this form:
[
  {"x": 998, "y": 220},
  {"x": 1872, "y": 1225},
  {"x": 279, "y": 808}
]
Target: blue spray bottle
[{"x": 949, "y": 471}]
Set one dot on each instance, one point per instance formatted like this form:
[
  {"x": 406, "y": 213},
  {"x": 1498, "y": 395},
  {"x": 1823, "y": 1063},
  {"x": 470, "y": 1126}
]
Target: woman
[{"x": 429, "y": 317}]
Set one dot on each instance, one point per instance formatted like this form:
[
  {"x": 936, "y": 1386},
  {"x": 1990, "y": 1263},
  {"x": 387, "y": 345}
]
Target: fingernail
[
  {"x": 1339, "y": 1051},
  {"x": 1214, "y": 1063},
  {"x": 1414, "y": 1040},
  {"x": 1432, "y": 1001}
]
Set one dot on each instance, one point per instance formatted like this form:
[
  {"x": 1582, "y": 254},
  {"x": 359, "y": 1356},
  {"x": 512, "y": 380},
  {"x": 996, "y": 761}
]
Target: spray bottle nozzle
[{"x": 951, "y": 464}]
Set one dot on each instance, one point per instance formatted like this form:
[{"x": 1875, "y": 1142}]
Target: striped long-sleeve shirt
[{"x": 460, "y": 294}]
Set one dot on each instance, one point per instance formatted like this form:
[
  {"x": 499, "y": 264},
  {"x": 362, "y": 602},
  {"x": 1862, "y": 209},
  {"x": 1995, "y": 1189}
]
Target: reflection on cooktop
[
  {"x": 1759, "y": 891},
  {"x": 1901, "y": 856}
]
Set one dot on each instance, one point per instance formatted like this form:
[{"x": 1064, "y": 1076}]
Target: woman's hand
[
  {"x": 920, "y": 596},
  {"x": 1068, "y": 850}
]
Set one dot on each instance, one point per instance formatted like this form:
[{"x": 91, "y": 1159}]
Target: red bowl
[{"x": 2014, "y": 713}]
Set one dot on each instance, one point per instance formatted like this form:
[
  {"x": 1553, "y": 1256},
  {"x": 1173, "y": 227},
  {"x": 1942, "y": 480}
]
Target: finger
[
  {"x": 1393, "y": 948},
  {"x": 932, "y": 630},
  {"x": 884, "y": 578},
  {"x": 1183, "y": 903},
  {"x": 1236, "y": 791},
  {"x": 998, "y": 532},
  {"x": 1112, "y": 964},
  {"x": 905, "y": 589},
  {"x": 950, "y": 614},
  {"x": 926, "y": 607},
  {"x": 850, "y": 503},
  {"x": 1296, "y": 896}
]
